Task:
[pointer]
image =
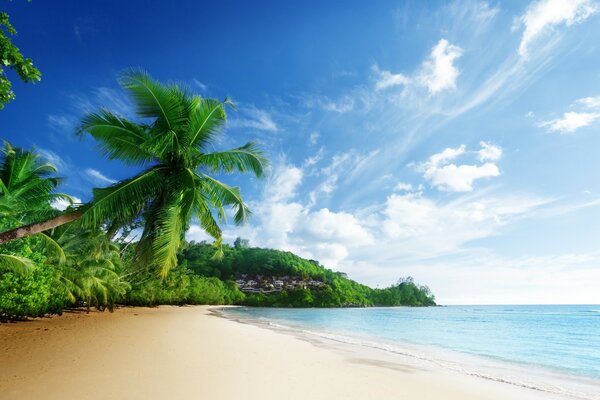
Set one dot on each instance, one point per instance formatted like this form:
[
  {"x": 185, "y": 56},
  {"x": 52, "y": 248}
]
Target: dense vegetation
[{"x": 100, "y": 274}]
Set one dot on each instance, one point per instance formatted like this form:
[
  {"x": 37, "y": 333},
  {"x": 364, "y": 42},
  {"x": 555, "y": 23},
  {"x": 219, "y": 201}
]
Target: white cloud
[
  {"x": 427, "y": 227},
  {"x": 254, "y": 118},
  {"x": 99, "y": 177},
  {"x": 386, "y": 79},
  {"x": 460, "y": 178},
  {"x": 313, "y": 160},
  {"x": 439, "y": 72},
  {"x": 62, "y": 124},
  {"x": 543, "y": 16},
  {"x": 570, "y": 122},
  {"x": 326, "y": 226},
  {"x": 197, "y": 234},
  {"x": 200, "y": 85},
  {"x": 52, "y": 158},
  {"x": 62, "y": 204},
  {"x": 283, "y": 183},
  {"x": 489, "y": 152},
  {"x": 446, "y": 176},
  {"x": 341, "y": 106},
  {"x": 401, "y": 187},
  {"x": 573, "y": 120},
  {"x": 590, "y": 102}
]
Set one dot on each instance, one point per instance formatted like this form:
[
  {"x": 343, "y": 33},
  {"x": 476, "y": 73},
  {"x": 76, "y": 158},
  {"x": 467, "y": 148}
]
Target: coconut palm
[
  {"x": 27, "y": 188},
  {"x": 91, "y": 272},
  {"x": 172, "y": 143}
]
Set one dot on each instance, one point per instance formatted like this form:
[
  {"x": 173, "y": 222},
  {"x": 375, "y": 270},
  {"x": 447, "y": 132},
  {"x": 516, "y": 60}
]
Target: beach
[{"x": 191, "y": 352}]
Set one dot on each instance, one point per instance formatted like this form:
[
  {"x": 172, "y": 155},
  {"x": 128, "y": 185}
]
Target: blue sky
[{"x": 456, "y": 142}]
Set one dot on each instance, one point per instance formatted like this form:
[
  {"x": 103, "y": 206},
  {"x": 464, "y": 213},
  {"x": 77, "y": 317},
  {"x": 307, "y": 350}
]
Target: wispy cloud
[
  {"x": 99, "y": 177},
  {"x": 202, "y": 86},
  {"x": 386, "y": 79},
  {"x": 253, "y": 118},
  {"x": 542, "y": 17}
]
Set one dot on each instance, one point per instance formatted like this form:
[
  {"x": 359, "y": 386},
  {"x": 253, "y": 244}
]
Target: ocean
[{"x": 553, "y": 348}]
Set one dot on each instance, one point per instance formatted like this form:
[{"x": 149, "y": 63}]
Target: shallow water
[{"x": 555, "y": 348}]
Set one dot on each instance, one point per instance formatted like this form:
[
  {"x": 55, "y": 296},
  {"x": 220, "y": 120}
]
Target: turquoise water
[{"x": 561, "y": 339}]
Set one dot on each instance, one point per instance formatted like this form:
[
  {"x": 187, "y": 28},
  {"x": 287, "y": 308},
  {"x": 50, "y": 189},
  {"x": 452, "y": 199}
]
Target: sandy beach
[{"x": 189, "y": 352}]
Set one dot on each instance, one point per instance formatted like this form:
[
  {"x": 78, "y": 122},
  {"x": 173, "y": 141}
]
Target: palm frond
[
  {"x": 53, "y": 247},
  {"x": 153, "y": 100},
  {"x": 243, "y": 159},
  {"x": 16, "y": 264},
  {"x": 117, "y": 138},
  {"x": 125, "y": 199},
  {"x": 169, "y": 236},
  {"x": 205, "y": 121},
  {"x": 223, "y": 194}
]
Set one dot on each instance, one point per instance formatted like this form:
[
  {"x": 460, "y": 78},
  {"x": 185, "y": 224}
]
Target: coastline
[{"x": 179, "y": 352}]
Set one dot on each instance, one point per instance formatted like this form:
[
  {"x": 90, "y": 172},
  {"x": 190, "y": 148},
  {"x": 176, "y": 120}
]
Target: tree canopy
[{"x": 11, "y": 57}]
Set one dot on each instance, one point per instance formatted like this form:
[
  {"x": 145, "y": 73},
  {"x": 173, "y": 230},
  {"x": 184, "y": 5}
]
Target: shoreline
[
  {"x": 527, "y": 376},
  {"x": 177, "y": 352}
]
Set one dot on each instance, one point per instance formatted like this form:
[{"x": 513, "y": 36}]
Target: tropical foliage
[
  {"x": 82, "y": 256},
  {"x": 11, "y": 57},
  {"x": 175, "y": 185}
]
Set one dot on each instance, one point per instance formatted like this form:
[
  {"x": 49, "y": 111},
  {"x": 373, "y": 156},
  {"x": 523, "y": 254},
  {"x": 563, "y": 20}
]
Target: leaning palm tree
[
  {"x": 27, "y": 189},
  {"x": 172, "y": 144},
  {"x": 27, "y": 186}
]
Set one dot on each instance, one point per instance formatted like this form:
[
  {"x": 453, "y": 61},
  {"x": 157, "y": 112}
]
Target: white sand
[{"x": 188, "y": 353}]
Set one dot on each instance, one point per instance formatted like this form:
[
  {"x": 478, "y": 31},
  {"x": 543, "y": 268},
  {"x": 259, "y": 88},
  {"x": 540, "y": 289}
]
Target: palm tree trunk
[{"x": 38, "y": 227}]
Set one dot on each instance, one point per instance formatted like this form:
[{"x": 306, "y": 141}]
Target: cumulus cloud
[
  {"x": 447, "y": 176},
  {"x": 283, "y": 183},
  {"x": 590, "y": 102},
  {"x": 439, "y": 72},
  {"x": 489, "y": 152},
  {"x": 543, "y": 16},
  {"x": 570, "y": 121},
  {"x": 313, "y": 138},
  {"x": 401, "y": 186}
]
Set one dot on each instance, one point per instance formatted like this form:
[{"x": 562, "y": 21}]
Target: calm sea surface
[{"x": 554, "y": 348}]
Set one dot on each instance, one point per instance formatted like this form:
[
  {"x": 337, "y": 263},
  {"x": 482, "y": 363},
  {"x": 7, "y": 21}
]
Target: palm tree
[
  {"x": 91, "y": 272},
  {"x": 172, "y": 144},
  {"x": 27, "y": 188}
]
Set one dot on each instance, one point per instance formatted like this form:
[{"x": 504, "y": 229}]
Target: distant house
[
  {"x": 240, "y": 283},
  {"x": 278, "y": 283},
  {"x": 251, "y": 283}
]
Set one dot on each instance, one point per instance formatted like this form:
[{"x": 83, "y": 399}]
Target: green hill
[{"x": 273, "y": 278}]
